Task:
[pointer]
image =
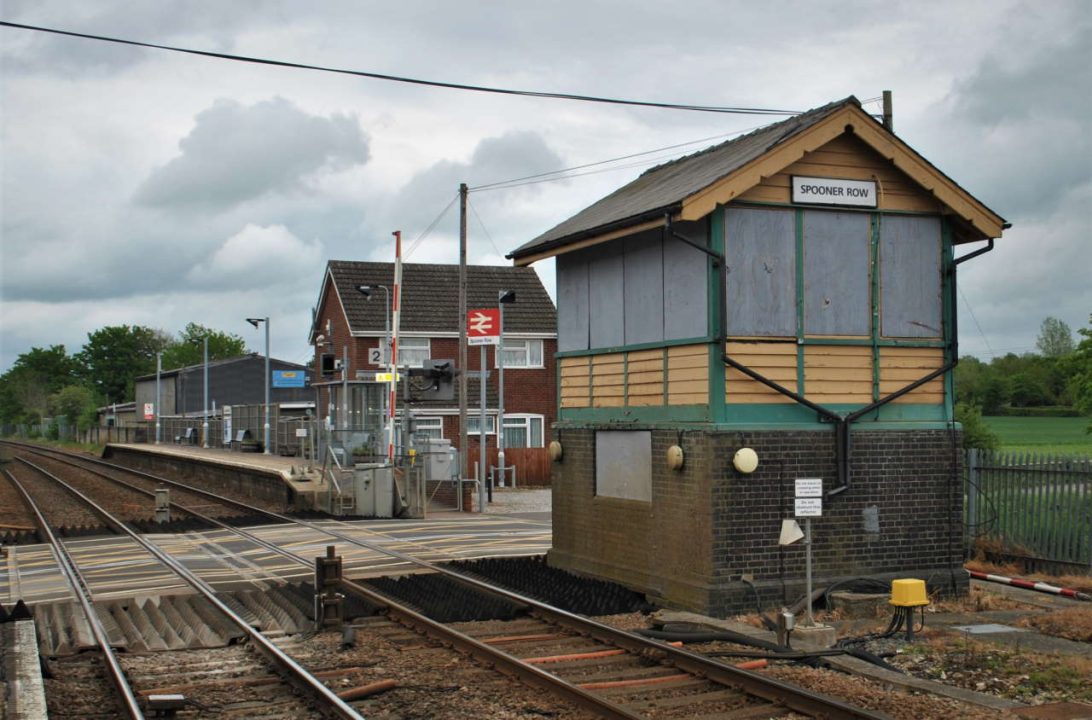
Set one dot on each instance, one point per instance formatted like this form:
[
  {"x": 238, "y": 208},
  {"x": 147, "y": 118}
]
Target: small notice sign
[
  {"x": 809, "y": 487},
  {"x": 809, "y": 507},
  {"x": 149, "y": 411},
  {"x": 301, "y": 432}
]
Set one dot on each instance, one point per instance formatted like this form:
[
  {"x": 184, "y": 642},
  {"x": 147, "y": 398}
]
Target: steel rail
[
  {"x": 83, "y": 595},
  {"x": 485, "y": 653},
  {"x": 330, "y": 703},
  {"x": 770, "y": 689}
]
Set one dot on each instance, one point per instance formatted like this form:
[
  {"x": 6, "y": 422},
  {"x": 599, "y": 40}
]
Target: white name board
[
  {"x": 301, "y": 432},
  {"x": 833, "y": 191},
  {"x": 809, "y": 507},
  {"x": 809, "y": 487}
]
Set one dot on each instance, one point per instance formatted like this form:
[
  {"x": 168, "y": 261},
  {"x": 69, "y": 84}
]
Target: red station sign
[{"x": 483, "y": 326}]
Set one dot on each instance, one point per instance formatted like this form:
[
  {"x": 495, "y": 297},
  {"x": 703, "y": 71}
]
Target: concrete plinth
[{"x": 813, "y": 637}]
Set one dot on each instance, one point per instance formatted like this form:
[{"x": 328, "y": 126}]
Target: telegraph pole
[{"x": 464, "y": 450}]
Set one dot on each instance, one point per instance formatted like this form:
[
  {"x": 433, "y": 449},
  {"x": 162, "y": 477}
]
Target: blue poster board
[{"x": 289, "y": 378}]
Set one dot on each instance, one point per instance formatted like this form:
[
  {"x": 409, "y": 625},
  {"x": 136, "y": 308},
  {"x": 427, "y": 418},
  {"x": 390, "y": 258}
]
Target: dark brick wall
[{"x": 708, "y": 524}]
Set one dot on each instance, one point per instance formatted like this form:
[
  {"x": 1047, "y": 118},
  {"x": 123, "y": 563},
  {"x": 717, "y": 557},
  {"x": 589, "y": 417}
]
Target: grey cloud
[
  {"x": 207, "y": 26},
  {"x": 236, "y": 153}
]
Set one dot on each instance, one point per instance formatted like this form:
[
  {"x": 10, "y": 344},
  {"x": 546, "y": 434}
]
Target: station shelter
[{"x": 777, "y": 307}]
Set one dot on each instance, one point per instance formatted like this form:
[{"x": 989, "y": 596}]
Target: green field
[{"x": 1056, "y": 436}]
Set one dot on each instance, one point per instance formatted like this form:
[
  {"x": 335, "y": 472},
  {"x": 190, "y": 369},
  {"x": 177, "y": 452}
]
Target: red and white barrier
[{"x": 1030, "y": 585}]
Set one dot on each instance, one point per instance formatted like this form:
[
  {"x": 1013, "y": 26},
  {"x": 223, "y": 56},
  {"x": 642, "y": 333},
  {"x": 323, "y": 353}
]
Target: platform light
[
  {"x": 675, "y": 458},
  {"x": 556, "y": 451}
]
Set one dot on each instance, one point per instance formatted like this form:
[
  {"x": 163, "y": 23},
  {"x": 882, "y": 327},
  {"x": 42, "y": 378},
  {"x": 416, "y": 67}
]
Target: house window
[
  {"x": 522, "y": 353},
  {"x": 413, "y": 351},
  {"x": 432, "y": 427},
  {"x": 473, "y": 424},
  {"x": 522, "y": 431}
]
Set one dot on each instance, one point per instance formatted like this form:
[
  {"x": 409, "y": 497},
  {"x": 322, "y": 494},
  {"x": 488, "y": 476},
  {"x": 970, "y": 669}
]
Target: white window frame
[
  {"x": 527, "y": 422},
  {"x": 524, "y": 345},
  {"x": 475, "y": 417},
  {"x": 416, "y": 344},
  {"x": 430, "y": 423}
]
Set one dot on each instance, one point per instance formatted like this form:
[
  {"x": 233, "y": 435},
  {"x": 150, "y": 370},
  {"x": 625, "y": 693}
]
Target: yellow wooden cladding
[
  {"x": 776, "y": 361},
  {"x": 838, "y": 374},
  {"x": 901, "y": 366},
  {"x": 688, "y": 375},
  {"x": 637, "y": 378},
  {"x": 848, "y": 157},
  {"x": 575, "y": 377}
]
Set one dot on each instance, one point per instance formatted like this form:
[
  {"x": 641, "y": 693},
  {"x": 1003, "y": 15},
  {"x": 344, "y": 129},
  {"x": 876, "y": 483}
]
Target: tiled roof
[
  {"x": 663, "y": 188},
  {"x": 430, "y": 296}
]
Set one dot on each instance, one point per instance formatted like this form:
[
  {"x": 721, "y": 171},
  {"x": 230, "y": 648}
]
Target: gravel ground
[
  {"x": 13, "y": 513},
  {"x": 56, "y": 503},
  {"x": 507, "y": 501}
]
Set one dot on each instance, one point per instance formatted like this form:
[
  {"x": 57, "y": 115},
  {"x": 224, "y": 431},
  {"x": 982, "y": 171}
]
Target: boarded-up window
[
  {"x": 606, "y": 293},
  {"x": 836, "y": 276},
  {"x": 761, "y": 260},
  {"x": 623, "y": 464},
  {"x": 572, "y": 306},
  {"x": 633, "y": 291},
  {"x": 910, "y": 276},
  {"x": 686, "y": 285},
  {"x": 644, "y": 288}
]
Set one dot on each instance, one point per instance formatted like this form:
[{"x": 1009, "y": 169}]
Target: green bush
[{"x": 976, "y": 434}]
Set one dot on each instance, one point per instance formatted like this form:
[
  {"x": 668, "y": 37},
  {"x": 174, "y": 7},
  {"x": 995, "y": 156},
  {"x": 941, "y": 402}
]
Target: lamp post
[
  {"x": 504, "y": 297},
  {"x": 158, "y": 396},
  {"x": 265, "y": 428},
  {"x": 205, "y": 407},
  {"x": 366, "y": 291}
]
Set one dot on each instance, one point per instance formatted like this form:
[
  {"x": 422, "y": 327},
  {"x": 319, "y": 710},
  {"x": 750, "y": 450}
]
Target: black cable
[{"x": 409, "y": 80}]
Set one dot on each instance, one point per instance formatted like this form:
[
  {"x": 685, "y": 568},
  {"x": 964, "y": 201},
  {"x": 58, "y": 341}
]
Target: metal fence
[{"x": 1036, "y": 507}]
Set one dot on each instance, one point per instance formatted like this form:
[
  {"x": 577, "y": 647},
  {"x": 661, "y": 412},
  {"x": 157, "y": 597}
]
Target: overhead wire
[
  {"x": 481, "y": 224},
  {"x": 492, "y": 185},
  {"x": 432, "y": 226},
  {"x": 975, "y": 319},
  {"x": 407, "y": 80}
]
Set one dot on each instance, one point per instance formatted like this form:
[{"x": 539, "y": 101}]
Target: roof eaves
[{"x": 643, "y": 217}]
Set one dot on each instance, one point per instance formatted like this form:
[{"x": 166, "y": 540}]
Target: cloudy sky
[{"x": 155, "y": 188}]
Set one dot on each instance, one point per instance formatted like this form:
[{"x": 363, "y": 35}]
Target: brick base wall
[{"x": 708, "y": 524}]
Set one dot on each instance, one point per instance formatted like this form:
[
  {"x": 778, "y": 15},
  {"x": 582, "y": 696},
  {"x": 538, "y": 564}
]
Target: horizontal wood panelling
[
  {"x": 608, "y": 380},
  {"x": 838, "y": 373},
  {"x": 776, "y": 361},
  {"x": 575, "y": 375},
  {"x": 688, "y": 375},
  {"x": 847, "y": 157},
  {"x": 901, "y": 366}
]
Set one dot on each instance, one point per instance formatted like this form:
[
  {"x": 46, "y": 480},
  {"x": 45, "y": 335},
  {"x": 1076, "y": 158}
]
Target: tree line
[
  {"x": 1056, "y": 380},
  {"x": 49, "y": 382}
]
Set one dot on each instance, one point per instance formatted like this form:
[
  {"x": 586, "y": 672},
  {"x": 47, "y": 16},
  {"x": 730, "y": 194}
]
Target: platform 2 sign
[{"x": 289, "y": 379}]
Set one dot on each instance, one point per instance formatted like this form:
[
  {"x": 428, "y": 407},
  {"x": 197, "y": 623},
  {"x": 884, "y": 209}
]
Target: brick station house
[
  {"x": 348, "y": 334},
  {"x": 777, "y": 308}
]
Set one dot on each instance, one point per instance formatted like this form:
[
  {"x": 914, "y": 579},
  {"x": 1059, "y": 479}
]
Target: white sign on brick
[
  {"x": 809, "y": 487},
  {"x": 809, "y": 507}
]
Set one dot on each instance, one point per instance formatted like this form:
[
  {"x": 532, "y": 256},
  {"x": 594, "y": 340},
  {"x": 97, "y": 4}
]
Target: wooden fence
[
  {"x": 532, "y": 464},
  {"x": 1037, "y": 507}
]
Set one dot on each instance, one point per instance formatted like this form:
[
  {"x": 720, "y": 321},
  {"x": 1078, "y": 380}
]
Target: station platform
[{"x": 298, "y": 473}]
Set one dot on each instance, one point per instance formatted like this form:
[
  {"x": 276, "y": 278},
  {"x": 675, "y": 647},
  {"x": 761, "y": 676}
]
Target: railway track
[
  {"x": 289, "y": 678},
  {"x": 604, "y": 671}
]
